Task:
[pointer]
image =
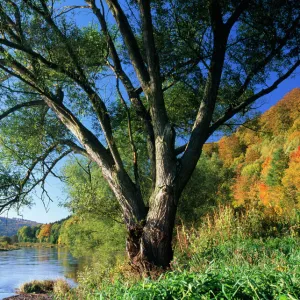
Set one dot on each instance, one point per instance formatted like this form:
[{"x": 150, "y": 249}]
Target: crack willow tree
[{"x": 170, "y": 69}]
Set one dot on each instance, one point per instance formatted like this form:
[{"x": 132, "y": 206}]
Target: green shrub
[{"x": 38, "y": 287}]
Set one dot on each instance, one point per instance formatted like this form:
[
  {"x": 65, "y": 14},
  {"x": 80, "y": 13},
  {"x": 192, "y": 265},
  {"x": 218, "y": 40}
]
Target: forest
[{"x": 123, "y": 102}]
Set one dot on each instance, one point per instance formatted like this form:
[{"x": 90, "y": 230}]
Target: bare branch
[
  {"x": 4, "y": 78},
  {"x": 263, "y": 63},
  {"x": 69, "y": 8}
]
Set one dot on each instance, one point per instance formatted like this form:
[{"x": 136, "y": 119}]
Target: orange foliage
[
  {"x": 282, "y": 114},
  {"x": 295, "y": 156},
  {"x": 210, "y": 148},
  {"x": 283, "y": 120},
  {"x": 45, "y": 232},
  {"x": 263, "y": 193},
  {"x": 251, "y": 155},
  {"x": 229, "y": 148},
  {"x": 245, "y": 191},
  {"x": 271, "y": 198}
]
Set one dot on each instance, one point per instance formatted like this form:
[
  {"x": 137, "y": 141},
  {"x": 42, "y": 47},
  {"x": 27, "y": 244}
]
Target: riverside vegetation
[
  {"x": 229, "y": 256},
  {"x": 128, "y": 94},
  {"x": 134, "y": 90},
  {"x": 242, "y": 242}
]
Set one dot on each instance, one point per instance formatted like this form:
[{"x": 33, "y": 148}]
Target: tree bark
[
  {"x": 156, "y": 242},
  {"x": 150, "y": 245}
]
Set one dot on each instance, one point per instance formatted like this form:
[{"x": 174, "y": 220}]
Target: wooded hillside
[
  {"x": 265, "y": 157},
  {"x": 10, "y": 227}
]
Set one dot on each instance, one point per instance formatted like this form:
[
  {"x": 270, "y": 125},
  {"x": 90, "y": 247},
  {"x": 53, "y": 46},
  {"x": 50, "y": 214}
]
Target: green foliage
[
  {"x": 89, "y": 192},
  {"x": 5, "y": 239},
  {"x": 278, "y": 165},
  {"x": 101, "y": 238},
  {"x": 55, "y": 232},
  {"x": 252, "y": 170},
  {"x": 28, "y": 234},
  {"x": 208, "y": 187}
]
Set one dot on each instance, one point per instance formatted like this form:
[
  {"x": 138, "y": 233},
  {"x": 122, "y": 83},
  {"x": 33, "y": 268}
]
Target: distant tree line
[{"x": 44, "y": 233}]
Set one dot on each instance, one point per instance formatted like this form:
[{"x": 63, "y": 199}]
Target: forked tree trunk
[{"x": 150, "y": 245}]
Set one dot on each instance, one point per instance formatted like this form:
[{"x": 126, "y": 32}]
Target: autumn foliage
[
  {"x": 44, "y": 233},
  {"x": 266, "y": 159}
]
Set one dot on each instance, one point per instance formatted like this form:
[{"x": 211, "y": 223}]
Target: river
[{"x": 26, "y": 264}]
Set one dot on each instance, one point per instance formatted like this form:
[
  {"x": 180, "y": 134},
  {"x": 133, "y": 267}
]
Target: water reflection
[{"x": 19, "y": 266}]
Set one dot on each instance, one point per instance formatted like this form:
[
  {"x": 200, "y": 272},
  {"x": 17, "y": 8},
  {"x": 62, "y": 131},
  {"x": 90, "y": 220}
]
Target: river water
[{"x": 26, "y": 264}]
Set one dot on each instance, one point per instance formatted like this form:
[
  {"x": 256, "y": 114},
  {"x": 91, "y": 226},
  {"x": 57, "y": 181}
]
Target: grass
[
  {"x": 226, "y": 257},
  {"x": 37, "y": 287},
  {"x": 57, "y": 287},
  {"x": 252, "y": 269}
]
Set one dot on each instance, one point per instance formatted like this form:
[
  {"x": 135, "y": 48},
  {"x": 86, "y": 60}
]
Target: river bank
[
  {"x": 17, "y": 246},
  {"x": 9, "y": 248},
  {"x": 31, "y": 263},
  {"x": 42, "y": 289}
]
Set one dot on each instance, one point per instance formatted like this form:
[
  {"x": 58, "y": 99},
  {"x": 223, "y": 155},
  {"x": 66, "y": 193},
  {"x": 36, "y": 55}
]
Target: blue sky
[{"x": 56, "y": 188}]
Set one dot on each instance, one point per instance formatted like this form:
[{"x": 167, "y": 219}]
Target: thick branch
[
  {"x": 130, "y": 42},
  {"x": 234, "y": 110},
  {"x": 75, "y": 148},
  {"x": 21, "y": 105},
  {"x": 133, "y": 93},
  {"x": 207, "y": 106},
  {"x": 149, "y": 43},
  {"x": 237, "y": 13},
  {"x": 96, "y": 101}
]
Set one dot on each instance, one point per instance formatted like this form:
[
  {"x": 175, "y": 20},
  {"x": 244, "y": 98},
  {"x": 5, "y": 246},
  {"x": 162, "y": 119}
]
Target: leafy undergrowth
[
  {"x": 269, "y": 270},
  {"x": 222, "y": 259}
]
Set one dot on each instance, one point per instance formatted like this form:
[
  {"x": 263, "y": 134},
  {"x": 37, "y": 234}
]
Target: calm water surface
[{"x": 26, "y": 264}]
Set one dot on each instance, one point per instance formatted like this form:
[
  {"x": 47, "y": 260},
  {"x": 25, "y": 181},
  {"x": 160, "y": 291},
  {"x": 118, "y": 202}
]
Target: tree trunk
[
  {"x": 150, "y": 245},
  {"x": 156, "y": 242}
]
